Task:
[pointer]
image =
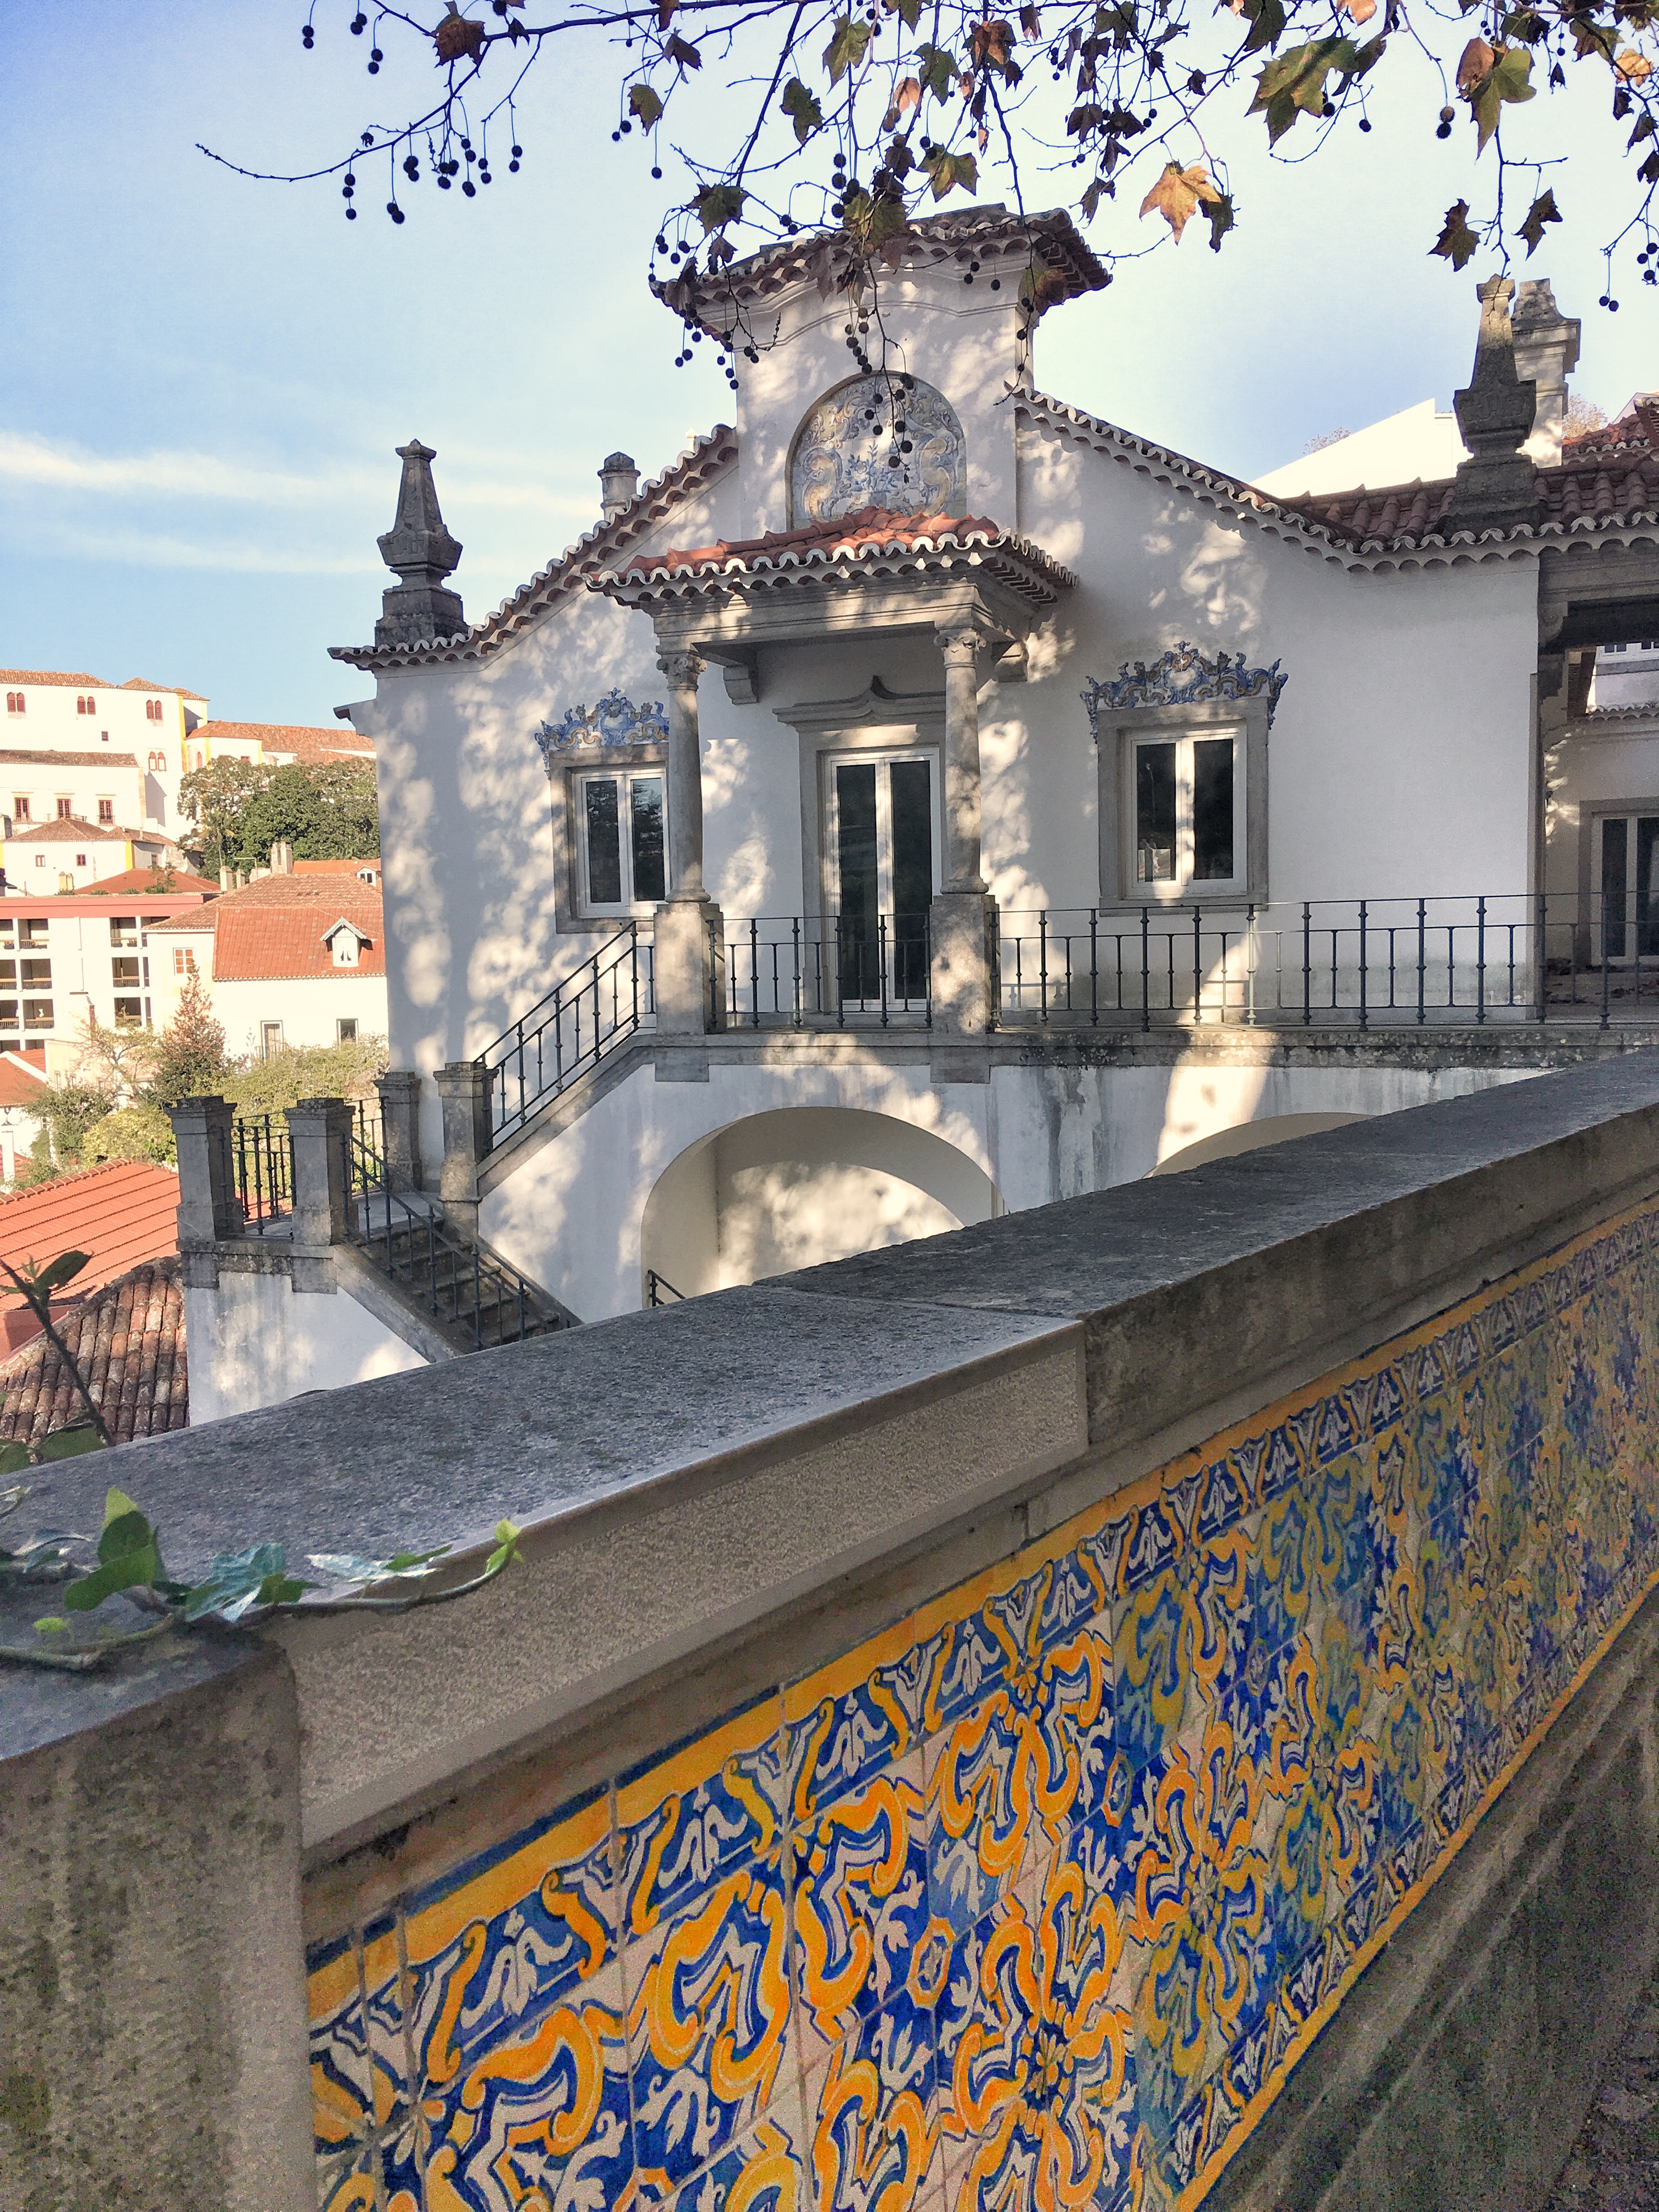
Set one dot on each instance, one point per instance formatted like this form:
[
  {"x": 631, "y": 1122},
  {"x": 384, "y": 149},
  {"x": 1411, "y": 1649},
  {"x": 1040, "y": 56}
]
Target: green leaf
[
  {"x": 1542, "y": 211},
  {"x": 939, "y": 69},
  {"x": 350, "y": 1567},
  {"x": 241, "y": 1579},
  {"x": 802, "y": 108},
  {"x": 1456, "y": 243},
  {"x": 644, "y": 105},
  {"x": 69, "y": 1443},
  {"x": 14, "y": 1458},
  {"x": 946, "y": 171},
  {"x": 63, "y": 1269},
  {"x": 719, "y": 204},
  {"x": 1267, "y": 20},
  {"x": 1294, "y": 83},
  {"x": 909, "y": 11},
  {"x": 846, "y": 48},
  {"x": 52, "y": 1623},
  {"x": 507, "y": 1552}
]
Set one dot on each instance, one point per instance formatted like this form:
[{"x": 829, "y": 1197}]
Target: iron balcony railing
[
  {"x": 260, "y": 1168},
  {"x": 467, "y": 1288},
  {"x": 1352, "y": 963},
  {"x": 818, "y": 967},
  {"x": 569, "y": 1032}
]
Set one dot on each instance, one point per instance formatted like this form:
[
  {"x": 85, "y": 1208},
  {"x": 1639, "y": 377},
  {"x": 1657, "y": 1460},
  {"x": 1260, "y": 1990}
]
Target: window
[
  {"x": 157, "y": 761},
  {"x": 65, "y": 808},
  {"x": 196, "y": 756},
  {"x": 345, "y": 1030},
  {"x": 37, "y": 1013},
  {"x": 152, "y": 710},
  {"x": 106, "y": 810},
  {"x": 103, "y": 735},
  {"x": 124, "y": 932},
  {"x": 85, "y": 705},
  {"x": 20, "y": 807},
  {"x": 1189, "y": 830},
  {"x": 17, "y": 702},
  {"x": 129, "y": 1013},
  {"x": 37, "y": 974},
  {"x": 881, "y": 838},
  {"x": 184, "y": 960},
  {"x": 270, "y": 1039},
  {"x": 34, "y": 934},
  {"x": 124, "y": 973},
  {"x": 80, "y": 862},
  {"x": 619, "y": 830},
  {"x": 344, "y": 946},
  {"x": 40, "y": 859}
]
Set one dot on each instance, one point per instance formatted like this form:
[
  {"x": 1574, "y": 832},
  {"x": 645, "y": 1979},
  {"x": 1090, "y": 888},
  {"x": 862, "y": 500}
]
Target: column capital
[
  {"x": 960, "y": 643},
  {"x": 682, "y": 663}
]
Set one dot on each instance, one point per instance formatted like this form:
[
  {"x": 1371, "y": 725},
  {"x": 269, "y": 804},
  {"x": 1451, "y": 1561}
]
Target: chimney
[
  {"x": 227, "y": 879},
  {"x": 422, "y": 552},
  {"x": 282, "y": 859},
  {"x": 1496, "y": 489},
  {"x": 619, "y": 485},
  {"x": 1546, "y": 349}
]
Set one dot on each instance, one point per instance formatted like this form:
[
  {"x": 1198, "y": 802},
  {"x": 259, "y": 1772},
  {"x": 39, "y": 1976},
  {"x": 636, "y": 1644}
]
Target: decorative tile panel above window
[
  {"x": 605, "y": 771},
  {"x": 888, "y": 441},
  {"x": 1183, "y": 747}
]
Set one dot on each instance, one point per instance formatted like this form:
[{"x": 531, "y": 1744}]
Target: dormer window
[{"x": 345, "y": 942}]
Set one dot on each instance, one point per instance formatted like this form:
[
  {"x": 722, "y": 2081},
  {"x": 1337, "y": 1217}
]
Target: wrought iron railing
[
  {"x": 260, "y": 1168},
  {"x": 1352, "y": 962},
  {"x": 570, "y": 1031},
  {"x": 796, "y": 969},
  {"x": 462, "y": 1285},
  {"x": 659, "y": 1291}
]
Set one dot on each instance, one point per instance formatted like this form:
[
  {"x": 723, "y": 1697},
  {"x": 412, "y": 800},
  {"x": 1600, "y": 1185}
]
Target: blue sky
[{"x": 202, "y": 379}]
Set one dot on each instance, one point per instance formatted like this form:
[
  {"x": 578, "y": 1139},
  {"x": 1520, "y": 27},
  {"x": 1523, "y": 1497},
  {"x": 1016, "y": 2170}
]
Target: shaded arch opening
[{"x": 1251, "y": 1137}]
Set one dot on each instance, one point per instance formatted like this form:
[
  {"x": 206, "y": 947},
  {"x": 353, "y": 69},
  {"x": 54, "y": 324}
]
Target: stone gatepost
[
  {"x": 209, "y": 1207},
  {"x": 400, "y": 1124},
  {"x": 319, "y": 1132},
  {"x": 960, "y": 917},
  {"x": 463, "y": 1087}
]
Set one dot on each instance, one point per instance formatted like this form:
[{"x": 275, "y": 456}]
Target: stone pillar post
[
  {"x": 209, "y": 1207},
  {"x": 961, "y": 914},
  {"x": 319, "y": 1132},
  {"x": 688, "y": 963},
  {"x": 400, "y": 1124},
  {"x": 464, "y": 1086}
]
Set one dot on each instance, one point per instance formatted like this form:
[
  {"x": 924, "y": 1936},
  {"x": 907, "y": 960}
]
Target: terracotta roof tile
[
  {"x": 118, "y": 1215},
  {"x": 76, "y": 683},
  {"x": 74, "y": 831},
  {"x": 299, "y": 738},
  {"x": 47, "y": 758},
  {"x": 144, "y": 880},
  {"x": 861, "y": 542},
  {"x": 129, "y": 1342},
  {"x": 143, "y": 683},
  {"x": 274, "y": 929},
  {"x": 22, "y": 1080}
]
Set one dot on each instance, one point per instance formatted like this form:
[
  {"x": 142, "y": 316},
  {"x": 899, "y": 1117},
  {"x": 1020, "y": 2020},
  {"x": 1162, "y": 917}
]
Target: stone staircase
[{"x": 461, "y": 1287}]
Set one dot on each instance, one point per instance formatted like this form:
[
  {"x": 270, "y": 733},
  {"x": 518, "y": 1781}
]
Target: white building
[
  {"x": 291, "y": 958},
  {"x": 878, "y": 781}
]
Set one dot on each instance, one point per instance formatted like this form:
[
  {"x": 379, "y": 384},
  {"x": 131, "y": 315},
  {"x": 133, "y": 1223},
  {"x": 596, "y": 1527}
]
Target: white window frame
[
  {"x": 1120, "y": 736},
  {"x": 879, "y": 757},
  {"x": 621, "y": 773}
]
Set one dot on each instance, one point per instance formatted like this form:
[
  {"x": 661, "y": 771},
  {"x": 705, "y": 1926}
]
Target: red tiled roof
[
  {"x": 274, "y": 929},
  {"x": 22, "y": 1078},
  {"x": 47, "y": 758},
  {"x": 118, "y": 1215},
  {"x": 335, "y": 868},
  {"x": 127, "y": 1341},
  {"x": 74, "y": 831},
  {"x": 145, "y": 881},
  {"x": 862, "y": 543},
  {"x": 296, "y": 737},
  {"x": 143, "y": 683},
  {"x": 81, "y": 683}
]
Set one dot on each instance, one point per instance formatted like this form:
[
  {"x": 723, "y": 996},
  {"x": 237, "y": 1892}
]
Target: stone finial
[
  {"x": 1496, "y": 489},
  {"x": 619, "y": 485},
  {"x": 422, "y": 552},
  {"x": 1546, "y": 349}
]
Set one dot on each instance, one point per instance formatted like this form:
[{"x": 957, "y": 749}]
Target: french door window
[
  {"x": 883, "y": 844},
  {"x": 1629, "y": 868},
  {"x": 619, "y": 820},
  {"x": 1188, "y": 800}
]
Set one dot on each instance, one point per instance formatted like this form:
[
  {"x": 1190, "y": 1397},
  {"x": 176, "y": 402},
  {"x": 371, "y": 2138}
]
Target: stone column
[
  {"x": 209, "y": 1207},
  {"x": 688, "y": 931},
  {"x": 400, "y": 1123},
  {"x": 464, "y": 1086},
  {"x": 961, "y": 914},
  {"x": 319, "y": 1132}
]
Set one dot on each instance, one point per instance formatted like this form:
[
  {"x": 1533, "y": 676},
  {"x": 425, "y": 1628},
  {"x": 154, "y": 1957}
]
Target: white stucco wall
[
  {"x": 256, "y": 1340},
  {"x": 307, "y": 1006}
]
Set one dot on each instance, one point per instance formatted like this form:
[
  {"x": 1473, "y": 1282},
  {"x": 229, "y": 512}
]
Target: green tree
[
  {"x": 297, "y": 1071},
  {"x": 215, "y": 798},
  {"x": 855, "y": 118},
  {"x": 329, "y": 812},
  {"x": 68, "y": 1110},
  {"x": 141, "y": 1132},
  {"x": 188, "y": 1060}
]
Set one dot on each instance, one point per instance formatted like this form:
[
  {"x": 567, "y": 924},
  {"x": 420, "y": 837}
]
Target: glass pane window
[
  {"x": 1627, "y": 866},
  {"x": 622, "y": 832},
  {"x": 882, "y": 841},
  {"x": 1188, "y": 811}
]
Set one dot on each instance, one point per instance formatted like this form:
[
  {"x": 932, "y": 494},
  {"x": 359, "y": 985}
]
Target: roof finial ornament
[
  {"x": 422, "y": 552},
  {"x": 1496, "y": 488}
]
